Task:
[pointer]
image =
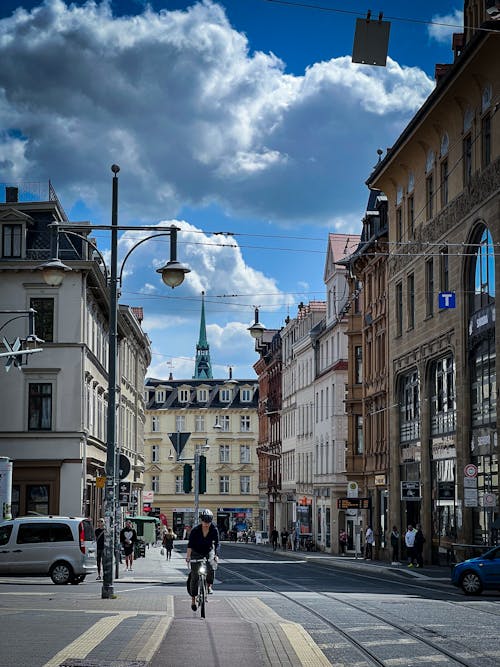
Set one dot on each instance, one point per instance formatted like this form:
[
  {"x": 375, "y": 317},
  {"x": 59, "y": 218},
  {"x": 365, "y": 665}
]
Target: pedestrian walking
[
  {"x": 395, "y": 545},
  {"x": 99, "y": 539},
  {"x": 418, "y": 547},
  {"x": 128, "y": 538},
  {"x": 343, "y": 542},
  {"x": 168, "y": 543},
  {"x": 274, "y": 538},
  {"x": 284, "y": 539},
  {"x": 410, "y": 544},
  {"x": 369, "y": 540}
]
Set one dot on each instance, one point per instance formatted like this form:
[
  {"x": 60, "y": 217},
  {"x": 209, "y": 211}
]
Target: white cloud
[
  {"x": 443, "y": 27},
  {"x": 190, "y": 113}
]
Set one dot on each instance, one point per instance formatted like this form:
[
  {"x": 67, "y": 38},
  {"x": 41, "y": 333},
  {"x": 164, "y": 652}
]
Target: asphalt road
[{"x": 268, "y": 608}]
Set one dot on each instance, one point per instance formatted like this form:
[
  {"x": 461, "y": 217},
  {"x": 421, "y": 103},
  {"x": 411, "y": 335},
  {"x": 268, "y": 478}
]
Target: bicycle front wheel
[{"x": 203, "y": 596}]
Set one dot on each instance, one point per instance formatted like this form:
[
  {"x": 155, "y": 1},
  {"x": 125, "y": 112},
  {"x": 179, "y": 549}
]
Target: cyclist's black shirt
[{"x": 202, "y": 545}]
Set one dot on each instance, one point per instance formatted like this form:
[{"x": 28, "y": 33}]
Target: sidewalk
[{"x": 155, "y": 567}]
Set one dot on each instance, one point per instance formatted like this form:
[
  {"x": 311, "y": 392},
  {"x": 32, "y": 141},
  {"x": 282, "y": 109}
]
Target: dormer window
[
  {"x": 12, "y": 240},
  {"x": 183, "y": 395},
  {"x": 225, "y": 395},
  {"x": 202, "y": 395},
  {"x": 246, "y": 395},
  {"x": 160, "y": 396}
]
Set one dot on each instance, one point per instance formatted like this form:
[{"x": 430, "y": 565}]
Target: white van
[{"x": 60, "y": 547}]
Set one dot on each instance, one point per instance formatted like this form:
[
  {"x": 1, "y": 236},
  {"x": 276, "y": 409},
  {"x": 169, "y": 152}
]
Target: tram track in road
[{"x": 397, "y": 633}]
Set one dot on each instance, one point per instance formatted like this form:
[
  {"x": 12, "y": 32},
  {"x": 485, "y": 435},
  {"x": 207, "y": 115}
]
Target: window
[
  {"x": 411, "y": 215},
  {"x": 244, "y": 453},
  {"x": 225, "y": 395},
  {"x": 37, "y": 498},
  {"x": 224, "y": 484},
  {"x": 224, "y": 454},
  {"x": 180, "y": 423},
  {"x": 359, "y": 434},
  {"x": 486, "y": 140},
  {"x": 225, "y": 423},
  {"x": 467, "y": 158},
  {"x": 155, "y": 483},
  {"x": 443, "y": 270},
  {"x": 399, "y": 309},
  {"x": 11, "y": 241},
  {"x": 40, "y": 407},
  {"x": 399, "y": 224},
  {"x": 245, "y": 484},
  {"x": 410, "y": 408},
  {"x": 5, "y": 532},
  {"x": 179, "y": 488},
  {"x": 443, "y": 408},
  {"x": 246, "y": 395},
  {"x": 444, "y": 183},
  {"x": 199, "y": 423},
  {"x": 245, "y": 423},
  {"x": 160, "y": 396},
  {"x": 483, "y": 385},
  {"x": 358, "y": 364},
  {"x": 429, "y": 196},
  {"x": 155, "y": 453},
  {"x": 410, "y": 296},
  {"x": 183, "y": 395},
  {"x": 44, "y": 318},
  {"x": 155, "y": 423},
  {"x": 429, "y": 288},
  {"x": 202, "y": 395}
]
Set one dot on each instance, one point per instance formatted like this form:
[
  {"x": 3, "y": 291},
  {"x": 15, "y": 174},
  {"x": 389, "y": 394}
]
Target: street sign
[
  {"x": 489, "y": 500},
  {"x": 178, "y": 440},
  {"x": 124, "y": 465},
  {"x": 471, "y": 498},
  {"x": 470, "y": 470},
  {"x": 410, "y": 491},
  {"x": 353, "y": 503},
  {"x": 124, "y": 493},
  {"x": 446, "y": 300},
  {"x": 352, "y": 490}
]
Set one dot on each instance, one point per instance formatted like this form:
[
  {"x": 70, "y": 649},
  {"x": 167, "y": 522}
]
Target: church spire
[{"x": 202, "y": 365}]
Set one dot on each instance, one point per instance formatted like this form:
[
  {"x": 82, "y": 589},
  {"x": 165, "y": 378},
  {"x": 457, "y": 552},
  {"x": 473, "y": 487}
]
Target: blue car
[{"x": 476, "y": 574}]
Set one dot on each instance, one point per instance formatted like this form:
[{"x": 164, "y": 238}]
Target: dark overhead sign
[{"x": 353, "y": 503}]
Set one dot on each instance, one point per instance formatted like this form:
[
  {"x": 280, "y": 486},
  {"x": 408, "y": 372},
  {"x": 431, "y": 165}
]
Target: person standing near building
[
  {"x": 128, "y": 538},
  {"x": 395, "y": 545},
  {"x": 274, "y": 538},
  {"x": 369, "y": 540},
  {"x": 99, "y": 539},
  {"x": 284, "y": 539},
  {"x": 410, "y": 544},
  {"x": 419, "y": 546},
  {"x": 342, "y": 542},
  {"x": 168, "y": 543}
]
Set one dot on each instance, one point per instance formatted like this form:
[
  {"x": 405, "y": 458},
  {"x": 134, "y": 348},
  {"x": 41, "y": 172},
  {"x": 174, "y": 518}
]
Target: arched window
[{"x": 483, "y": 273}]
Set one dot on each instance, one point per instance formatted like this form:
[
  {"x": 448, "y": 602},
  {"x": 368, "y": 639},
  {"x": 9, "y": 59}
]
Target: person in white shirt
[
  {"x": 369, "y": 540},
  {"x": 410, "y": 544}
]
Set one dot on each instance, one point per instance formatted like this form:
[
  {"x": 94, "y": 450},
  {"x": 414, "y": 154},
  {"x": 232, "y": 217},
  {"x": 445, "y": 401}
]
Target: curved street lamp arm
[
  {"x": 173, "y": 247},
  {"x": 24, "y": 313},
  {"x": 92, "y": 245}
]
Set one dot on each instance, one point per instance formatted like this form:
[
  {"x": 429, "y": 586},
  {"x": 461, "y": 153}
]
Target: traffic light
[
  {"x": 187, "y": 478},
  {"x": 202, "y": 474}
]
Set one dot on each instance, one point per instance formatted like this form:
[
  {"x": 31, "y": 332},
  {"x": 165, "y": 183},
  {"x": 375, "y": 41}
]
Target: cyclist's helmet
[{"x": 206, "y": 516}]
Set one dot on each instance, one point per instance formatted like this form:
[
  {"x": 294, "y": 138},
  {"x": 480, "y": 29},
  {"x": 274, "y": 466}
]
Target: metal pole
[
  {"x": 109, "y": 501},
  {"x": 196, "y": 486}
]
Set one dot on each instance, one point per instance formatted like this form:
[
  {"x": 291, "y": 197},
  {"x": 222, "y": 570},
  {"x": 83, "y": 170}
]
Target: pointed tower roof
[{"x": 202, "y": 364}]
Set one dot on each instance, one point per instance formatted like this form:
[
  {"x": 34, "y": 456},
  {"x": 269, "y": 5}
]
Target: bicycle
[{"x": 202, "y": 595}]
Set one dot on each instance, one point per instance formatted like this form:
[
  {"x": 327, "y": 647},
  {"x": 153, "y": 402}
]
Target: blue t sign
[{"x": 447, "y": 299}]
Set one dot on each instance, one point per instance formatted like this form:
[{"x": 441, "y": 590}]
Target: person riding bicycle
[{"x": 203, "y": 539}]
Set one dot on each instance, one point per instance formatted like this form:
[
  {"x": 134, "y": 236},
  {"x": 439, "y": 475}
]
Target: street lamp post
[{"x": 173, "y": 275}]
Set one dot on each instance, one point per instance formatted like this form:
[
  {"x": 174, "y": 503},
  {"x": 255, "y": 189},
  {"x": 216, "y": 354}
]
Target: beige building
[{"x": 182, "y": 415}]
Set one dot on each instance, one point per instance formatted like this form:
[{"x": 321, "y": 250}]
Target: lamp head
[
  {"x": 53, "y": 272},
  {"x": 173, "y": 273}
]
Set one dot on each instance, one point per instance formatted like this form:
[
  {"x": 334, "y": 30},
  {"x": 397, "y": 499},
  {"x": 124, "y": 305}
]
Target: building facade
[
  {"x": 53, "y": 420},
  {"x": 442, "y": 182}
]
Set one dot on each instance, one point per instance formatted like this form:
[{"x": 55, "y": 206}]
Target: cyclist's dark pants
[{"x": 192, "y": 582}]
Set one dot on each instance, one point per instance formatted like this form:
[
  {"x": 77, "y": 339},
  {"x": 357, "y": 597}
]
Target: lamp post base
[{"x": 107, "y": 592}]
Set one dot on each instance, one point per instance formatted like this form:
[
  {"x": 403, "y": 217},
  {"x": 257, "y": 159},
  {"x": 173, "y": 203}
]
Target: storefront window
[{"x": 37, "y": 499}]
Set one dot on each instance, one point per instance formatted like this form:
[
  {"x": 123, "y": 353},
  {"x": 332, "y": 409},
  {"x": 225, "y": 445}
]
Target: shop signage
[
  {"x": 148, "y": 497},
  {"x": 410, "y": 491},
  {"x": 446, "y": 490},
  {"x": 380, "y": 480},
  {"x": 353, "y": 503}
]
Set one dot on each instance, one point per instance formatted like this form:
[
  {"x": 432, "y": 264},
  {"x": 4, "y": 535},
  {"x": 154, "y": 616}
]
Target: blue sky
[{"x": 245, "y": 117}]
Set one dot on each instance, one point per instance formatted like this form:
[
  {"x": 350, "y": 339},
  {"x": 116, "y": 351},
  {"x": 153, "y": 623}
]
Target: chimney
[
  {"x": 458, "y": 40},
  {"x": 440, "y": 70},
  {"x": 11, "y": 195}
]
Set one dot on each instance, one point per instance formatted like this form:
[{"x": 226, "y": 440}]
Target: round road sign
[{"x": 470, "y": 470}]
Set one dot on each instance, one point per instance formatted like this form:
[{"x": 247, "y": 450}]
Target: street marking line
[
  {"x": 308, "y": 652},
  {"x": 87, "y": 642},
  {"x": 155, "y": 639}
]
